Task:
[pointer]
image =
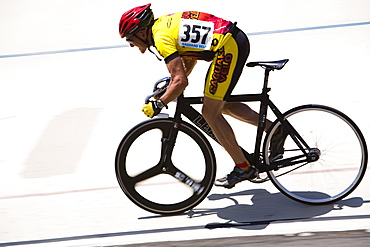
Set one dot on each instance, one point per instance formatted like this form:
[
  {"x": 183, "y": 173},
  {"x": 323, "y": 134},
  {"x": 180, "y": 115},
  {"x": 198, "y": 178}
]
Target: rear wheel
[{"x": 338, "y": 144}]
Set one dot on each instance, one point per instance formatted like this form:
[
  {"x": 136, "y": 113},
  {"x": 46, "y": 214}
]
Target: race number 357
[{"x": 196, "y": 34}]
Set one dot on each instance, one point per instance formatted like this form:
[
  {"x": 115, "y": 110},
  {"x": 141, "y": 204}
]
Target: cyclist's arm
[
  {"x": 179, "y": 80},
  {"x": 189, "y": 65}
]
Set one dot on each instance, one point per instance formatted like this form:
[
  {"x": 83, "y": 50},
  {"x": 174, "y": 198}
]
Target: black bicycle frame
[{"x": 184, "y": 108}]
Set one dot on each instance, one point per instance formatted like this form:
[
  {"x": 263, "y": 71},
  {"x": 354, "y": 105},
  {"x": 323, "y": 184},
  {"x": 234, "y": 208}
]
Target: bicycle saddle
[{"x": 269, "y": 65}]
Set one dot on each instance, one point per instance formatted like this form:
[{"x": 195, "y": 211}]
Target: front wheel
[
  {"x": 341, "y": 156},
  {"x": 162, "y": 181}
]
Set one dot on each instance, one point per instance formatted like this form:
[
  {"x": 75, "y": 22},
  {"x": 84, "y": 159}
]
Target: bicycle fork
[{"x": 168, "y": 144}]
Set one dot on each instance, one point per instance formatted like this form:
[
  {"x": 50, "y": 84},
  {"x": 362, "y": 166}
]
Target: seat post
[{"x": 265, "y": 83}]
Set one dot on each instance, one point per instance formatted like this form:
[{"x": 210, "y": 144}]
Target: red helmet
[{"x": 134, "y": 19}]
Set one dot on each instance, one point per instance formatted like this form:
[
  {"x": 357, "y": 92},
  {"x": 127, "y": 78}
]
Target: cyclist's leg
[
  {"x": 222, "y": 76},
  {"x": 244, "y": 113},
  {"x": 212, "y": 112},
  {"x": 221, "y": 79},
  {"x": 232, "y": 56}
]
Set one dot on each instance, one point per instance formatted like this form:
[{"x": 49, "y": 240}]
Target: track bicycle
[{"x": 168, "y": 166}]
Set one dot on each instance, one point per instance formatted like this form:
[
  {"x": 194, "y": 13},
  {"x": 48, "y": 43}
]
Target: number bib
[{"x": 196, "y": 34}]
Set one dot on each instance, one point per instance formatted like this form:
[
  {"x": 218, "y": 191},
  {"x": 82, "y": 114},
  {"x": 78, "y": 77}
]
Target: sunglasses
[{"x": 130, "y": 40}]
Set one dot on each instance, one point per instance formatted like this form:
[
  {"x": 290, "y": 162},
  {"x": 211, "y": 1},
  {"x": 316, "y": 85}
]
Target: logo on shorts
[{"x": 221, "y": 70}]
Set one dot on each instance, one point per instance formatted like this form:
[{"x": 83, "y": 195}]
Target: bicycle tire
[
  {"x": 160, "y": 193},
  {"x": 342, "y": 163}
]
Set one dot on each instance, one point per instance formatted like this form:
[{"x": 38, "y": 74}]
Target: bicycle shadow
[{"x": 265, "y": 209}]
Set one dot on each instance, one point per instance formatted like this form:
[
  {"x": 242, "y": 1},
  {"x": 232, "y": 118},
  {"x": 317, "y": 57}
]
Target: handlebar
[{"x": 159, "y": 88}]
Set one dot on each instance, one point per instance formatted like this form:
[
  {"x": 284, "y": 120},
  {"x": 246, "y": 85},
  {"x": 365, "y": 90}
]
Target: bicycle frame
[{"x": 184, "y": 108}]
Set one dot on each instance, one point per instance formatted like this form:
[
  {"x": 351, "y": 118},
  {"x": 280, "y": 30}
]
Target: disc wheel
[{"x": 162, "y": 182}]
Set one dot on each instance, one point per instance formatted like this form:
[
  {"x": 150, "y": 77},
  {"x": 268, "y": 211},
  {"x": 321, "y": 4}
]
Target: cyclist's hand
[{"x": 153, "y": 108}]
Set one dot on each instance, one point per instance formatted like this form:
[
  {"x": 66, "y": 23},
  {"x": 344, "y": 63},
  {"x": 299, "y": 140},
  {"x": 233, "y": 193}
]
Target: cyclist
[{"x": 182, "y": 39}]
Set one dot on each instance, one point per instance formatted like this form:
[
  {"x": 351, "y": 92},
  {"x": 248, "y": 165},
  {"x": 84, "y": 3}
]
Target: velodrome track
[{"x": 70, "y": 89}]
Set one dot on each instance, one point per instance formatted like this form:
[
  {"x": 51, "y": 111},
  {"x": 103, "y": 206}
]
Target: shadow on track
[{"x": 267, "y": 208}]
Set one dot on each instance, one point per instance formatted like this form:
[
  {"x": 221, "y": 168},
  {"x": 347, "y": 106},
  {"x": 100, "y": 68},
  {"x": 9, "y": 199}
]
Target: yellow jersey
[{"x": 193, "y": 34}]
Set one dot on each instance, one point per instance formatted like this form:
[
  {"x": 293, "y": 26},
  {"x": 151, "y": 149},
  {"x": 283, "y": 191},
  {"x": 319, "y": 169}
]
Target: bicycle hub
[{"x": 313, "y": 155}]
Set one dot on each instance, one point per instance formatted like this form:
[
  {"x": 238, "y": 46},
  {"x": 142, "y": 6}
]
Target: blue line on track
[
  {"x": 62, "y": 51},
  {"x": 310, "y": 28},
  {"x": 250, "y": 34}
]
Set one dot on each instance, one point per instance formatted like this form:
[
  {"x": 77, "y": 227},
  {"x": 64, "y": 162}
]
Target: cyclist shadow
[{"x": 265, "y": 209}]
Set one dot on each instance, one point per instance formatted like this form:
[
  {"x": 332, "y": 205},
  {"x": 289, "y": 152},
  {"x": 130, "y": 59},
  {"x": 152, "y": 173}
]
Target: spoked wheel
[
  {"x": 160, "y": 182},
  {"x": 338, "y": 150}
]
